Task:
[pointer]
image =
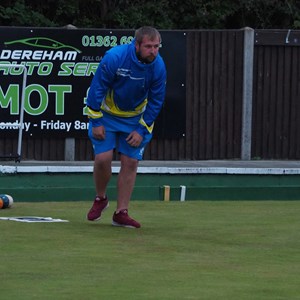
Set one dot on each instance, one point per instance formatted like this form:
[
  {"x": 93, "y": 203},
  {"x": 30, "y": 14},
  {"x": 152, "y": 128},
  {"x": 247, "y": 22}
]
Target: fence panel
[
  {"x": 214, "y": 94},
  {"x": 276, "y": 107},
  {"x": 213, "y": 107}
]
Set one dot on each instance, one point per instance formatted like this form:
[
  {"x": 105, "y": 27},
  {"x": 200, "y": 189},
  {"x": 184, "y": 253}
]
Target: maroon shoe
[
  {"x": 122, "y": 219},
  {"x": 99, "y": 205}
]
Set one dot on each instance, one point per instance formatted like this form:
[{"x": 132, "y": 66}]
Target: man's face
[{"x": 148, "y": 49}]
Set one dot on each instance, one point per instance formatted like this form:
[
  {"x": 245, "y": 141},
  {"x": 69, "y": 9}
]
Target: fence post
[
  {"x": 247, "y": 93},
  {"x": 20, "y": 125},
  {"x": 70, "y": 142},
  {"x": 69, "y": 149}
]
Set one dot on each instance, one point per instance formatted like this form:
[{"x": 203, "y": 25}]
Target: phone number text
[{"x": 105, "y": 41}]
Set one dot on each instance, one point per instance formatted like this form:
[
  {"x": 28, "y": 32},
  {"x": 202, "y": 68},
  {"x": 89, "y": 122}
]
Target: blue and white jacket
[{"x": 125, "y": 87}]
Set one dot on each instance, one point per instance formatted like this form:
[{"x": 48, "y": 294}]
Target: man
[{"x": 125, "y": 97}]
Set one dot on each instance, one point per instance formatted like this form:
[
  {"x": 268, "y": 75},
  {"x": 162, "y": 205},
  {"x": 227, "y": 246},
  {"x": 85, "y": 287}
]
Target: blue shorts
[{"x": 116, "y": 131}]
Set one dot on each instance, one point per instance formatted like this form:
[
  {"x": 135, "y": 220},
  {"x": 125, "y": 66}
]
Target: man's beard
[{"x": 144, "y": 60}]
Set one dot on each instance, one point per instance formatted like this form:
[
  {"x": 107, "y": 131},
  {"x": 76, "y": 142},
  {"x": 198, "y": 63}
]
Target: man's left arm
[{"x": 156, "y": 97}]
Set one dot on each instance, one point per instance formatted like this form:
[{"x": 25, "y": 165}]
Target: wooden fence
[{"x": 215, "y": 69}]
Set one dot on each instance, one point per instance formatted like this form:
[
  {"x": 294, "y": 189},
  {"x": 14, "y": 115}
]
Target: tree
[
  {"x": 265, "y": 14},
  {"x": 16, "y": 13},
  {"x": 163, "y": 14}
]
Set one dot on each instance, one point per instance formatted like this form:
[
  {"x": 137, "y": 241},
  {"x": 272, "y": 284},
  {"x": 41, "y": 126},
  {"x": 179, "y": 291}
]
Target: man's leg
[
  {"x": 126, "y": 181},
  {"x": 102, "y": 172}
]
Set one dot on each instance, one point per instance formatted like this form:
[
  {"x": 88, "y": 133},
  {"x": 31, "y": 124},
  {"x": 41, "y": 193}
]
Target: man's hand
[
  {"x": 134, "y": 139},
  {"x": 99, "y": 132}
]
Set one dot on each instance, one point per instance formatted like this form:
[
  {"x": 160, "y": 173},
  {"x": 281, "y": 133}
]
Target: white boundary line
[{"x": 151, "y": 170}]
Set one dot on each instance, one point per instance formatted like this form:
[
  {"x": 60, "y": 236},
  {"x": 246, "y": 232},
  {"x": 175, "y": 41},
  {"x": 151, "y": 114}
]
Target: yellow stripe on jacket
[
  {"x": 92, "y": 114},
  {"x": 149, "y": 128},
  {"x": 108, "y": 105}
]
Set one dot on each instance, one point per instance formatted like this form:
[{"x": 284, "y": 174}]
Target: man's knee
[
  {"x": 103, "y": 158},
  {"x": 128, "y": 163}
]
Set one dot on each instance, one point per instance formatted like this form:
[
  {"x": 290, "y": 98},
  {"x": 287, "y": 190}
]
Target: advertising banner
[{"x": 60, "y": 65}]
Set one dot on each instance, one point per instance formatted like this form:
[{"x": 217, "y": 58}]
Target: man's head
[{"x": 147, "y": 43}]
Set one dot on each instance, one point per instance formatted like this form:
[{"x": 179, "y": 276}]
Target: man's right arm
[{"x": 101, "y": 82}]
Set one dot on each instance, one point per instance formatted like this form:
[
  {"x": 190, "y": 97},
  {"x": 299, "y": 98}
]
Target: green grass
[{"x": 192, "y": 250}]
